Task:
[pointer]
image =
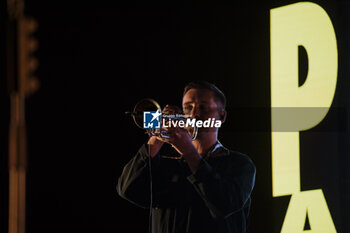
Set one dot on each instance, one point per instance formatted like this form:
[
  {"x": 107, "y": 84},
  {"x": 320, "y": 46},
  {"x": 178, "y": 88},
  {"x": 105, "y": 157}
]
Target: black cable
[{"x": 151, "y": 191}]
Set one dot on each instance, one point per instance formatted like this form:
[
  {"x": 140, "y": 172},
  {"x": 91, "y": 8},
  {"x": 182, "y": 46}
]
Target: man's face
[{"x": 201, "y": 104}]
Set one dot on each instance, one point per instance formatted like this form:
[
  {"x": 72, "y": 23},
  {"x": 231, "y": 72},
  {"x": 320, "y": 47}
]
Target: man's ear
[{"x": 223, "y": 115}]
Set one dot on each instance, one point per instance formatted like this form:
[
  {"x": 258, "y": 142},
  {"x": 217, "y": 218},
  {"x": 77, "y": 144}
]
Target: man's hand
[
  {"x": 180, "y": 139},
  {"x": 154, "y": 144}
]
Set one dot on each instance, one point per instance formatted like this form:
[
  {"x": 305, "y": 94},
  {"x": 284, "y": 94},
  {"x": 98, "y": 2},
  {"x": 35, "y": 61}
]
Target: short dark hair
[{"x": 201, "y": 84}]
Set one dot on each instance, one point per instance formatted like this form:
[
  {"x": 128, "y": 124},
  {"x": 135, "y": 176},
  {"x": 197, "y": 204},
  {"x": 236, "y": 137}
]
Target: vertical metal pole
[
  {"x": 21, "y": 85},
  {"x": 17, "y": 166},
  {"x": 17, "y": 130}
]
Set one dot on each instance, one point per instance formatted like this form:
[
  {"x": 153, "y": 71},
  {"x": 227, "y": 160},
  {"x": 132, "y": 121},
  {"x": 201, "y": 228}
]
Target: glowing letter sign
[{"x": 302, "y": 24}]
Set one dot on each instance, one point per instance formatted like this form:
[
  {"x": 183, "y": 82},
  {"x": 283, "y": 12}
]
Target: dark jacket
[{"x": 216, "y": 199}]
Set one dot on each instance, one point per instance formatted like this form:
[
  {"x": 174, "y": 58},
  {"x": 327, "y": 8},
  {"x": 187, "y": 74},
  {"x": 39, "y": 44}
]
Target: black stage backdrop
[{"x": 98, "y": 60}]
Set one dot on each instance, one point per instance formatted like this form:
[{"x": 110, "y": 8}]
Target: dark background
[{"x": 98, "y": 60}]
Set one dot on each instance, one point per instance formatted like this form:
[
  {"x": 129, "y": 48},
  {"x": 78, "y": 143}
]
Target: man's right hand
[{"x": 154, "y": 144}]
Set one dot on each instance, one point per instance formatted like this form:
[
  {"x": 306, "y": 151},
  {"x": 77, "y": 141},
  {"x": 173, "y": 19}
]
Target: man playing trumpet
[{"x": 208, "y": 190}]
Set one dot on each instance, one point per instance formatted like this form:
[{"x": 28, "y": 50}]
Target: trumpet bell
[{"x": 142, "y": 106}]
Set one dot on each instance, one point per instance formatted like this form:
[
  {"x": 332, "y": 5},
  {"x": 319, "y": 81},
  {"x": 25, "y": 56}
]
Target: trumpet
[{"x": 150, "y": 105}]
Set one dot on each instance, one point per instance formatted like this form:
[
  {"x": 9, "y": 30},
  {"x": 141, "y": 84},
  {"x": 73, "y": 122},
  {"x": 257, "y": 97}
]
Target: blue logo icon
[{"x": 151, "y": 119}]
